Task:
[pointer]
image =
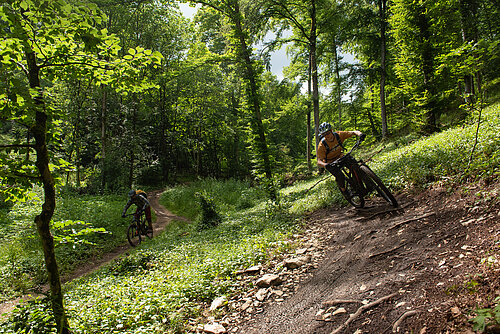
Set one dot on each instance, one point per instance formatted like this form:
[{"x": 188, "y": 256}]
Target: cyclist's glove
[{"x": 362, "y": 137}]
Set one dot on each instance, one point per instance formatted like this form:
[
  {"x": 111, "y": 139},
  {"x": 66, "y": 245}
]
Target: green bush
[{"x": 209, "y": 217}]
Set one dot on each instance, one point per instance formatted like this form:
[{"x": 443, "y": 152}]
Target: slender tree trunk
[
  {"x": 370, "y": 114},
  {"x": 309, "y": 110},
  {"x": 235, "y": 162},
  {"x": 104, "y": 138},
  {"x": 252, "y": 92},
  {"x": 383, "y": 22},
  {"x": 468, "y": 22},
  {"x": 314, "y": 70},
  {"x": 77, "y": 147},
  {"x": 428, "y": 70},
  {"x": 42, "y": 220},
  {"x": 338, "y": 83}
]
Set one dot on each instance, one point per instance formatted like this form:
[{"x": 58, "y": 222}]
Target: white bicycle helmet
[{"x": 324, "y": 127}]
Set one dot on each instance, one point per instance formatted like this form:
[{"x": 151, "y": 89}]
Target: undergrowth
[
  {"x": 172, "y": 278},
  {"x": 83, "y": 228}
]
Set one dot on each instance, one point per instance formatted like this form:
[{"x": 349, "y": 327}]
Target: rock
[
  {"x": 251, "y": 271},
  {"x": 455, "y": 311},
  {"x": 296, "y": 262},
  {"x": 218, "y": 302},
  {"x": 261, "y": 295},
  {"x": 301, "y": 251},
  {"x": 214, "y": 328},
  {"x": 268, "y": 280},
  {"x": 246, "y": 305},
  {"x": 340, "y": 310}
]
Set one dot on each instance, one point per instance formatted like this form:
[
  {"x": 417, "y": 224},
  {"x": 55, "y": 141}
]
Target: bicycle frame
[
  {"x": 360, "y": 179},
  {"x": 350, "y": 168},
  {"x": 137, "y": 229}
]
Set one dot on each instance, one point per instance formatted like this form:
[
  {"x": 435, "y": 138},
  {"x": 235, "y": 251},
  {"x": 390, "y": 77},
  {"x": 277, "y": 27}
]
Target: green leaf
[{"x": 24, "y": 5}]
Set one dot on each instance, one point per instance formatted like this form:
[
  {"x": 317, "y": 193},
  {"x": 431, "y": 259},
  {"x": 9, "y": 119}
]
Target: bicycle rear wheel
[
  {"x": 378, "y": 185},
  {"x": 147, "y": 232},
  {"x": 134, "y": 235}
]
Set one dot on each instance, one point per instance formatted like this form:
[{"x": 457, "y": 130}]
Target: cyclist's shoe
[{"x": 346, "y": 192}]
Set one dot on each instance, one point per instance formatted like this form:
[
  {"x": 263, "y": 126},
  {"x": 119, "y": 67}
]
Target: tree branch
[
  {"x": 18, "y": 146},
  {"x": 360, "y": 310}
]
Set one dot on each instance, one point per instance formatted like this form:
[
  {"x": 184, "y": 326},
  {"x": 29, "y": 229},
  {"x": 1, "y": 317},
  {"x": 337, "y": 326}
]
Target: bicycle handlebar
[
  {"x": 358, "y": 142},
  {"x": 133, "y": 214}
]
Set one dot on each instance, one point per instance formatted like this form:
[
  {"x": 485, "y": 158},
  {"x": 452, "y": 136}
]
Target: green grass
[
  {"x": 76, "y": 242},
  {"x": 444, "y": 157},
  {"x": 172, "y": 278}
]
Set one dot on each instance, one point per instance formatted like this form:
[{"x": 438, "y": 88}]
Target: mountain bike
[
  {"x": 138, "y": 228},
  {"x": 360, "y": 180}
]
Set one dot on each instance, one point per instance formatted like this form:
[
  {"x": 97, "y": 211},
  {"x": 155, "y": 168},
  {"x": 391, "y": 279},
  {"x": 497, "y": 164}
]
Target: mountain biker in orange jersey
[
  {"x": 139, "y": 198},
  {"x": 330, "y": 149}
]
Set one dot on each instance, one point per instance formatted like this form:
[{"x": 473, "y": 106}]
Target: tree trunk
[
  {"x": 234, "y": 163},
  {"x": 314, "y": 70},
  {"x": 370, "y": 114},
  {"x": 468, "y": 22},
  {"x": 430, "y": 125},
  {"x": 383, "y": 22},
  {"x": 337, "y": 82},
  {"x": 252, "y": 92},
  {"x": 309, "y": 105},
  {"x": 42, "y": 220},
  {"x": 104, "y": 139}
]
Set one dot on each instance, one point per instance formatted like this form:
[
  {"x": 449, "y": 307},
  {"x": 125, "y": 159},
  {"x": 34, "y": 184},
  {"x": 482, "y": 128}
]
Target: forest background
[{"x": 99, "y": 97}]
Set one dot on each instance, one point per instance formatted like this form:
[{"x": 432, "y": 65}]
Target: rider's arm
[
  {"x": 129, "y": 203},
  {"x": 321, "y": 155},
  {"x": 145, "y": 202}
]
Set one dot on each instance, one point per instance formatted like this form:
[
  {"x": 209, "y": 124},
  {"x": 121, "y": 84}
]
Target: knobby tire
[
  {"x": 134, "y": 235},
  {"x": 379, "y": 186},
  {"x": 148, "y": 233},
  {"x": 352, "y": 187}
]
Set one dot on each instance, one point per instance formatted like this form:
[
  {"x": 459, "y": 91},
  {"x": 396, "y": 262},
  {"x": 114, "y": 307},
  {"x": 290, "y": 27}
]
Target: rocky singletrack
[{"x": 382, "y": 270}]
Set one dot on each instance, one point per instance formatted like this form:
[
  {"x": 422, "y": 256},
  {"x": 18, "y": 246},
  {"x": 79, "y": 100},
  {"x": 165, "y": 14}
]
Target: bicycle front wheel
[
  {"x": 379, "y": 186},
  {"x": 134, "y": 235},
  {"x": 353, "y": 193}
]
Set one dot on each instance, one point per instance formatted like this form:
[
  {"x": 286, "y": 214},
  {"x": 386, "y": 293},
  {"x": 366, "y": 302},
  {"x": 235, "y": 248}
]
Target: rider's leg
[
  {"x": 147, "y": 211},
  {"x": 339, "y": 177}
]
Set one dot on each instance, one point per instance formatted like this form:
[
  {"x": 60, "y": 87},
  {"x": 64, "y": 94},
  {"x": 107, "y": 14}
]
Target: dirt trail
[
  {"x": 163, "y": 218},
  {"x": 406, "y": 261}
]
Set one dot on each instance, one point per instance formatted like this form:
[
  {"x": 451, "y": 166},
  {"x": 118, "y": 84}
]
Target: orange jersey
[{"x": 335, "y": 149}]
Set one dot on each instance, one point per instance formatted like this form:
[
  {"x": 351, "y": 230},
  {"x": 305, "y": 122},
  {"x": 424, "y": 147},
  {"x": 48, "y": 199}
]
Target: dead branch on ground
[
  {"x": 397, "y": 324},
  {"x": 388, "y": 251},
  {"x": 360, "y": 310},
  {"x": 314, "y": 185},
  {"x": 410, "y": 220},
  {"x": 333, "y": 302}
]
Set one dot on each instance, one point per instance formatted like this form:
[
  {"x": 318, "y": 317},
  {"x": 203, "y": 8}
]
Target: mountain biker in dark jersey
[
  {"x": 139, "y": 198},
  {"x": 330, "y": 149}
]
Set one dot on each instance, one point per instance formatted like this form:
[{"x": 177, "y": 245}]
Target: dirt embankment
[{"x": 416, "y": 269}]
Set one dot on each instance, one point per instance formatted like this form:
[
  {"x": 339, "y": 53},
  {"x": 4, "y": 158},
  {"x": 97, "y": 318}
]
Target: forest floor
[
  {"x": 418, "y": 269},
  {"x": 163, "y": 218}
]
